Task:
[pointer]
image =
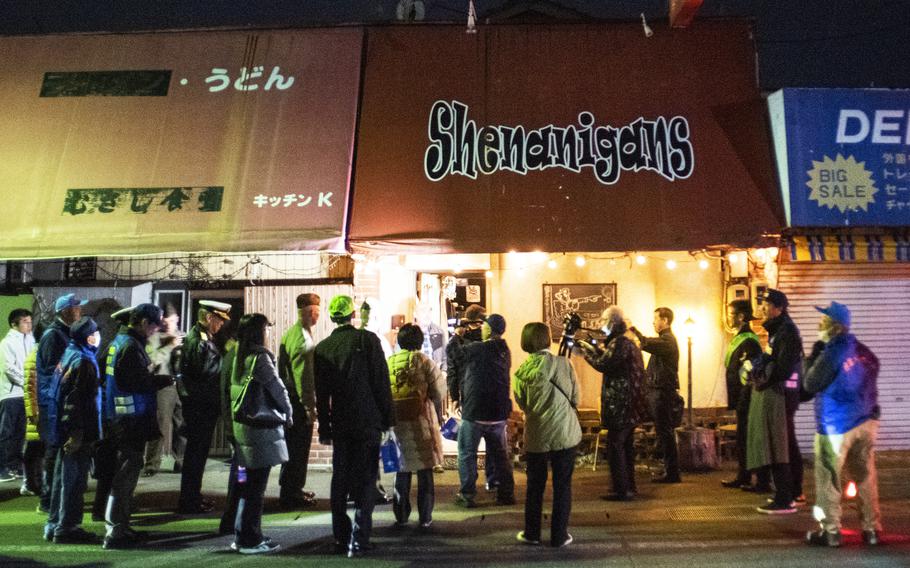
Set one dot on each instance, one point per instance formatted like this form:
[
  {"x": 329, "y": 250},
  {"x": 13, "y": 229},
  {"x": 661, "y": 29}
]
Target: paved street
[{"x": 696, "y": 523}]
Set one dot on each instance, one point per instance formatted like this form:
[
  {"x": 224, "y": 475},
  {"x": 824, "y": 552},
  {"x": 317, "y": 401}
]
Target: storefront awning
[
  {"x": 148, "y": 143},
  {"x": 849, "y": 248},
  {"x": 562, "y": 138}
]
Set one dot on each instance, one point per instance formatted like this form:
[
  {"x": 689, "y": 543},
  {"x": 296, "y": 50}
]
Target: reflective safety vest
[{"x": 118, "y": 403}]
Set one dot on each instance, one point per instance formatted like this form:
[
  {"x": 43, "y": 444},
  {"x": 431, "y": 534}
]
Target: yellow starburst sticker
[{"x": 843, "y": 183}]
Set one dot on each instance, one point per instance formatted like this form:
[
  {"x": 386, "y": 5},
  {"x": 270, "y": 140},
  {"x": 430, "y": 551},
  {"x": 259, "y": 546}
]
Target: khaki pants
[{"x": 844, "y": 457}]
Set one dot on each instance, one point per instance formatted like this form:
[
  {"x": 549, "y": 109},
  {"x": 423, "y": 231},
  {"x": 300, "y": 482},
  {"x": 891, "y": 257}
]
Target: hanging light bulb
[
  {"x": 703, "y": 264},
  {"x": 671, "y": 264},
  {"x": 580, "y": 261},
  {"x": 551, "y": 264},
  {"x": 640, "y": 259},
  {"x": 488, "y": 274}
]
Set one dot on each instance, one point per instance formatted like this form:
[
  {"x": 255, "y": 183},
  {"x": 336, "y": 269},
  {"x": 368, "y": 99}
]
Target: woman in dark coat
[
  {"x": 258, "y": 449},
  {"x": 621, "y": 400}
]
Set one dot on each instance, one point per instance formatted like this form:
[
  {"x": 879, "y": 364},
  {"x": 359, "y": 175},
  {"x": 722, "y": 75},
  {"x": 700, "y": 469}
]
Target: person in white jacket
[{"x": 13, "y": 350}]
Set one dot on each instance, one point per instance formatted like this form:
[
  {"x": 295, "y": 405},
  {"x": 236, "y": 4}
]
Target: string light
[
  {"x": 551, "y": 264},
  {"x": 580, "y": 261},
  {"x": 703, "y": 264},
  {"x": 488, "y": 274},
  {"x": 671, "y": 264},
  {"x": 640, "y": 259}
]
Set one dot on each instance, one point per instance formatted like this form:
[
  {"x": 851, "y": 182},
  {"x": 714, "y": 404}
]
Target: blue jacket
[
  {"x": 77, "y": 399},
  {"x": 50, "y": 349},
  {"x": 844, "y": 375}
]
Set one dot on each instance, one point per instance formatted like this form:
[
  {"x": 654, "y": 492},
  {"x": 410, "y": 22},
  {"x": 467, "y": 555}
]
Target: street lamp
[{"x": 689, "y": 326}]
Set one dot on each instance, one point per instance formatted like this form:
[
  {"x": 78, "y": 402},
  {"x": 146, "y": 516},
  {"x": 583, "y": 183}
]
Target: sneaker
[
  {"x": 77, "y": 536},
  {"x": 776, "y": 509},
  {"x": 465, "y": 502},
  {"x": 870, "y": 538},
  {"x": 7, "y": 476},
  {"x": 491, "y": 487},
  {"x": 26, "y": 492},
  {"x": 357, "y": 549},
  {"x": 520, "y": 537},
  {"x": 770, "y": 500},
  {"x": 119, "y": 543},
  {"x": 234, "y": 547},
  {"x": 426, "y": 524},
  {"x": 800, "y": 499},
  {"x": 264, "y": 547},
  {"x": 822, "y": 537},
  {"x": 569, "y": 540}
]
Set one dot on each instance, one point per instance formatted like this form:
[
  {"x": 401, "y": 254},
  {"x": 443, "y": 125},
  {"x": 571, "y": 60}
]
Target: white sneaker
[
  {"x": 264, "y": 547},
  {"x": 26, "y": 492},
  {"x": 567, "y": 542}
]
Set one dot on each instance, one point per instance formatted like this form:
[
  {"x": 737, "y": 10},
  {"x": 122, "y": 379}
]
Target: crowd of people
[{"x": 70, "y": 405}]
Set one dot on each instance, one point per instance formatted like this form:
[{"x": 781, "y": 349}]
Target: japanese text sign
[{"x": 843, "y": 156}]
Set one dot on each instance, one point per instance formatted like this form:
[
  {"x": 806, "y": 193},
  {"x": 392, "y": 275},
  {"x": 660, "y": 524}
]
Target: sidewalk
[{"x": 696, "y": 523}]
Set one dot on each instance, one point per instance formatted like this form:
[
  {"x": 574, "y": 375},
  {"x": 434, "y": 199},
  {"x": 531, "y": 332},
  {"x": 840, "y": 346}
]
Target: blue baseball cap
[
  {"x": 837, "y": 312},
  {"x": 68, "y": 301}
]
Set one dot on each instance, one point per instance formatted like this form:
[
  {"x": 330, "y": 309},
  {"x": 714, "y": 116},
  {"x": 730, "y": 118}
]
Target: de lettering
[{"x": 885, "y": 126}]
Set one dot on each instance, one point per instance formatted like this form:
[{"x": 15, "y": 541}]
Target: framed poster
[{"x": 587, "y": 300}]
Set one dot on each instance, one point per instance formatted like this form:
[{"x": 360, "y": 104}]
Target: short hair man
[
  {"x": 68, "y": 309},
  {"x": 295, "y": 366},
  {"x": 663, "y": 384},
  {"x": 200, "y": 379},
  {"x": 486, "y": 405},
  {"x": 843, "y": 373},
  {"x": 744, "y": 346},
  {"x": 354, "y": 405},
  {"x": 131, "y": 411},
  {"x": 14, "y": 349},
  {"x": 775, "y": 398}
]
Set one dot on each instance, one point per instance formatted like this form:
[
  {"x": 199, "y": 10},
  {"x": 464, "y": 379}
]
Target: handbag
[
  {"x": 254, "y": 406},
  {"x": 449, "y": 430},
  {"x": 390, "y": 454}
]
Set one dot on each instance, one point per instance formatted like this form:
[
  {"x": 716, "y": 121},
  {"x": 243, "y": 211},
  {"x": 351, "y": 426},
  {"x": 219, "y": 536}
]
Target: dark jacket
[
  {"x": 455, "y": 366},
  {"x": 663, "y": 366},
  {"x": 622, "y": 402},
  {"x": 261, "y": 447},
  {"x": 486, "y": 387},
  {"x": 227, "y": 371},
  {"x": 50, "y": 349},
  {"x": 353, "y": 392},
  {"x": 844, "y": 375},
  {"x": 200, "y": 368},
  {"x": 747, "y": 349},
  {"x": 132, "y": 374},
  {"x": 78, "y": 395},
  {"x": 786, "y": 355}
]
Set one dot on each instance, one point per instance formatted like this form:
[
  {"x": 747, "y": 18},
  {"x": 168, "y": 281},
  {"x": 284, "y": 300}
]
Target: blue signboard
[{"x": 843, "y": 156}]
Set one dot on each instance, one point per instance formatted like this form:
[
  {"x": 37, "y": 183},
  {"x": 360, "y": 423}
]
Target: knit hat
[
  {"x": 497, "y": 324},
  {"x": 304, "y": 300},
  {"x": 82, "y": 329},
  {"x": 341, "y": 307}
]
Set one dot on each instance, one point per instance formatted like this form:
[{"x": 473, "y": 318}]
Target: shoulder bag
[{"x": 254, "y": 406}]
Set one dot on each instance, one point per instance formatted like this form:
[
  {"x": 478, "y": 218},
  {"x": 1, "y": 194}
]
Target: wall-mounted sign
[
  {"x": 199, "y": 141},
  {"x": 843, "y": 156},
  {"x": 562, "y": 138},
  {"x": 587, "y": 300}
]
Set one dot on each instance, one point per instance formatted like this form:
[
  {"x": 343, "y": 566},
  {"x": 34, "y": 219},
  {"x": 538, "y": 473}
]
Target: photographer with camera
[{"x": 621, "y": 398}]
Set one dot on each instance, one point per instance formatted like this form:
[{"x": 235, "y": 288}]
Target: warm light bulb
[
  {"x": 640, "y": 259},
  {"x": 551, "y": 264},
  {"x": 488, "y": 274},
  {"x": 580, "y": 261},
  {"x": 671, "y": 264},
  {"x": 733, "y": 258},
  {"x": 703, "y": 264}
]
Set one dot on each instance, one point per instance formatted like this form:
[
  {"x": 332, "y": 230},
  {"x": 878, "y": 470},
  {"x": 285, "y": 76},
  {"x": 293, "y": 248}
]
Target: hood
[{"x": 537, "y": 368}]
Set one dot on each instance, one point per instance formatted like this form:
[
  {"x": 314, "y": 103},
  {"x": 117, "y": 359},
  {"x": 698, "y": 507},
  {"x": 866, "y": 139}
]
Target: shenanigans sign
[{"x": 458, "y": 146}]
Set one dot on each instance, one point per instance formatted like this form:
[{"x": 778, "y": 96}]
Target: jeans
[
  {"x": 847, "y": 456},
  {"x": 563, "y": 464},
  {"x": 126, "y": 476},
  {"x": 33, "y": 464},
  {"x": 496, "y": 439},
  {"x": 621, "y": 452},
  {"x": 248, "y": 524},
  {"x": 12, "y": 433},
  {"x": 355, "y": 469},
  {"x": 200, "y": 427},
  {"x": 426, "y": 496},
  {"x": 68, "y": 491},
  {"x": 229, "y": 517},
  {"x": 50, "y": 457},
  {"x": 661, "y": 402},
  {"x": 293, "y": 472}
]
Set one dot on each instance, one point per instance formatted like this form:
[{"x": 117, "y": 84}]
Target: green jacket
[
  {"x": 295, "y": 367},
  {"x": 546, "y": 389}
]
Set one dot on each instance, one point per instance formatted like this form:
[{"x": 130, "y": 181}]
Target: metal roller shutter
[
  {"x": 878, "y": 295},
  {"x": 279, "y": 304}
]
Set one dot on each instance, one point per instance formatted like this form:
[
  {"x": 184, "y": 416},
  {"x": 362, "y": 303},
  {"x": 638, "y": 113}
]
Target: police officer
[
  {"x": 200, "y": 370},
  {"x": 130, "y": 410}
]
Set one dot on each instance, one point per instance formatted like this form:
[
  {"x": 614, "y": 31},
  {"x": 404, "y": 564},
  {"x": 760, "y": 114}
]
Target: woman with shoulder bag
[
  {"x": 417, "y": 393},
  {"x": 258, "y": 447},
  {"x": 546, "y": 389}
]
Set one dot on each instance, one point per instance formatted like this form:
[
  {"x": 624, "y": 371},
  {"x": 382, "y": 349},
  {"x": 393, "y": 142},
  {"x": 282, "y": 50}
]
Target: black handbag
[{"x": 254, "y": 405}]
